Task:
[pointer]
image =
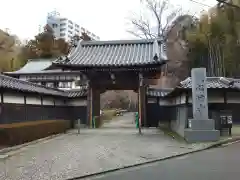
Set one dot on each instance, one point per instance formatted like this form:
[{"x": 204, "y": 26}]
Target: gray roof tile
[
  {"x": 212, "y": 82},
  {"x": 158, "y": 92},
  {"x": 77, "y": 93},
  {"x": 116, "y": 53},
  {"x": 7, "y": 82},
  {"x": 16, "y": 84},
  {"x": 33, "y": 66}
]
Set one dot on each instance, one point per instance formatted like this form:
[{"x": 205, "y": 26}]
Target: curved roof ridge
[
  {"x": 119, "y": 42},
  {"x": 117, "y": 53}
]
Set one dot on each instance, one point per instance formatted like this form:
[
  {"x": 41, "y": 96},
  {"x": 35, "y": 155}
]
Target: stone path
[
  {"x": 125, "y": 121},
  {"x": 94, "y": 150},
  {"x": 236, "y": 130}
]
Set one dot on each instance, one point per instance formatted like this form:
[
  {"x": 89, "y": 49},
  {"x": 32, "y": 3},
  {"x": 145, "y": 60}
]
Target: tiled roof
[
  {"x": 77, "y": 93},
  {"x": 25, "y": 86},
  {"x": 212, "y": 82},
  {"x": 115, "y": 53},
  {"x": 33, "y": 66},
  {"x": 158, "y": 92}
]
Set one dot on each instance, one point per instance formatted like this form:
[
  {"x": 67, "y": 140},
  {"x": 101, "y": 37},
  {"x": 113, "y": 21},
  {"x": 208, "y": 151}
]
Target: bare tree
[{"x": 156, "y": 20}]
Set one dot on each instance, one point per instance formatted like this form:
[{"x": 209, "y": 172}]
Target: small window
[
  {"x": 50, "y": 84},
  {"x": 65, "y": 84},
  {"x": 54, "y": 25}
]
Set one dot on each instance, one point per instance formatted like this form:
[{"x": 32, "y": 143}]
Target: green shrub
[
  {"x": 19, "y": 133},
  {"x": 108, "y": 114},
  {"x": 98, "y": 121}
]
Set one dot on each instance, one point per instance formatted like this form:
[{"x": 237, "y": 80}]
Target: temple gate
[{"x": 115, "y": 65}]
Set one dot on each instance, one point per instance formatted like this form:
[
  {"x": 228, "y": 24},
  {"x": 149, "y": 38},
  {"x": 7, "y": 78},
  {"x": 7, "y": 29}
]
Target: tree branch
[{"x": 157, "y": 8}]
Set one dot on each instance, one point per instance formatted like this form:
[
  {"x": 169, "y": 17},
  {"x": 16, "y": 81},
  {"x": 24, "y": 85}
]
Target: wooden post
[
  {"x": 79, "y": 125},
  {"x": 1, "y": 107},
  {"x": 140, "y": 103},
  {"x": 95, "y": 104},
  {"x": 89, "y": 104},
  {"x": 25, "y": 107}
]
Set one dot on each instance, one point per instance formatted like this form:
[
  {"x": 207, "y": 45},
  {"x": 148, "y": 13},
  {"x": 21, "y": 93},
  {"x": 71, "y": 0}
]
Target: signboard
[
  {"x": 229, "y": 119},
  {"x": 226, "y": 117}
]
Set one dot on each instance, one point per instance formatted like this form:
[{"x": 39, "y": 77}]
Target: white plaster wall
[
  {"x": 216, "y": 98},
  {"x": 77, "y": 102},
  {"x": 183, "y": 99},
  {"x": 233, "y": 97},
  {"x": 59, "y": 102},
  {"x": 48, "y": 101},
  {"x": 13, "y": 98},
  {"x": 173, "y": 101},
  {"x": 33, "y": 100},
  {"x": 152, "y": 100},
  {"x": 165, "y": 102},
  {"x": 178, "y": 100}
]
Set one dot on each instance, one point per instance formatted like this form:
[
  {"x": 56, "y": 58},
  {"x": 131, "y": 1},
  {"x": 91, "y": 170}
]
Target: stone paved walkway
[{"x": 94, "y": 150}]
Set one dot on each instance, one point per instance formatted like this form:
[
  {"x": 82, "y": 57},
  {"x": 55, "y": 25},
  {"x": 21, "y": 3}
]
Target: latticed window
[
  {"x": 65, "y": 84},
  {"x": 50, "y": 84}
]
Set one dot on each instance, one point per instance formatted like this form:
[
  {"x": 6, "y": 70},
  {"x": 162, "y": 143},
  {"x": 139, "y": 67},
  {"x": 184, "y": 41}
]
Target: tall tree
[
  {"x": 7, "y": 51},
  {"x": 216, "y": 42},
  {"x": 45, "y": 45},
  {"x": 156, "y": 19}
]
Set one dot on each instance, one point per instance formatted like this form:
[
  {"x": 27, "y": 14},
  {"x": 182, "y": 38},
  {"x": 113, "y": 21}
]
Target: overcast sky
[{"x": 106, "y": 18}]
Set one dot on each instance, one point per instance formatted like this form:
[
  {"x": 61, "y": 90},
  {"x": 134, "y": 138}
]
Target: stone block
[
  {"x": 193, "y": 136},
  {"x": 199, "y": 93},
  {"x": 208, "y": 124}
]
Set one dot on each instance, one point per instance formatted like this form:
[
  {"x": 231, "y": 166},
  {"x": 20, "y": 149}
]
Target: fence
[{"x": 20, "y": 107}]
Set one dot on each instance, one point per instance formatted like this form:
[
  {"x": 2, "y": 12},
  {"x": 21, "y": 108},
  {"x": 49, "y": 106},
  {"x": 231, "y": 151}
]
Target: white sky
[{"x": 106, "y": 18}]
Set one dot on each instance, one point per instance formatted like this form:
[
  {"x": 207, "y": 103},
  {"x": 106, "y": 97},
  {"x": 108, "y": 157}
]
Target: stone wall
[{"x": 177, "y": 110}]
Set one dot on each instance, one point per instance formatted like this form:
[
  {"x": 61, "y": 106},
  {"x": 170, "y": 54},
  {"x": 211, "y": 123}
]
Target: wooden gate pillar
[
  {"x": 89, "y": 105},
  {"x": 93, "y": 104},
  {"x": 142, "y": 101}
]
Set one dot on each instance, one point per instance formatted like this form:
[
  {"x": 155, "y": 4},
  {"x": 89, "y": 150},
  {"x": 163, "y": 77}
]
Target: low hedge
[
  {"x": 19, "y": 133},
  {"x": 108, "y": 114}
]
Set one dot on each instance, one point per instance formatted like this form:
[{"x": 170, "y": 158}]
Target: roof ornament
[
  {"x": 156, "y": 50},
  {"x": 74, "y": 41},
  {"x": 61, "y": 59},
  {"x": 227, "y": 81}
]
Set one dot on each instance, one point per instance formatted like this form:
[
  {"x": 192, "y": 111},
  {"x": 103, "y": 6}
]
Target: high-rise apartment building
[{"x": 66, "y": 28}]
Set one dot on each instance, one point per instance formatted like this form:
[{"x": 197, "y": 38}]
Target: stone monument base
[
  {"x": 193, "y": 136},
  {"x": 199, "y": 124}
]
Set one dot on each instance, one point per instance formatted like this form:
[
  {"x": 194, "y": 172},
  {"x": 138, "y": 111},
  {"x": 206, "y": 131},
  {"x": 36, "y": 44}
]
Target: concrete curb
[{"x": 213, "y": 145}]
